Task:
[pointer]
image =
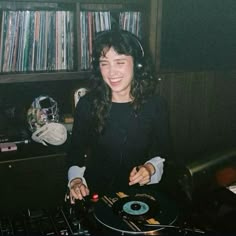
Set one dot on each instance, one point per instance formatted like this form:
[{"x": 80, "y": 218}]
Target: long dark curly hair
[{"x": 142, "y": 85}]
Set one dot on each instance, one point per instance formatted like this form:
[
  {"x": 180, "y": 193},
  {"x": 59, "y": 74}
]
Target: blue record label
[{"x": 135, "y": 208}]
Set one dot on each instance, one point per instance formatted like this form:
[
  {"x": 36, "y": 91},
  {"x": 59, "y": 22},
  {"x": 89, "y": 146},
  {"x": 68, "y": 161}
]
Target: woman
[{"x": 120, "y": 132}]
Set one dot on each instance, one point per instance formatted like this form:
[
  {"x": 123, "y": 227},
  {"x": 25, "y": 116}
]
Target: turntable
[{"x": 136, "y": 213}]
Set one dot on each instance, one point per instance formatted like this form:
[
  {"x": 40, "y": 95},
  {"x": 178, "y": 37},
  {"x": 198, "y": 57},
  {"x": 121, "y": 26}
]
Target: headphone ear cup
[
  {"x": 140, "y": 71},
  {"x": 139, "y": 66}
]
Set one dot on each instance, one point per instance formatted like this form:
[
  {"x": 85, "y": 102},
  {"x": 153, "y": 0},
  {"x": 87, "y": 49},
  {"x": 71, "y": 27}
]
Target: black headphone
[{"x": 132, "y": 38}]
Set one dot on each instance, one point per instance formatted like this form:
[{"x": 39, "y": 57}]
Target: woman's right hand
[{"x": 78, "y": 190}]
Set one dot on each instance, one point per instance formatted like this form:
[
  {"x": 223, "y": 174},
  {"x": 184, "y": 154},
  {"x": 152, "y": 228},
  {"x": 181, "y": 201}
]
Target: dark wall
[
  {"x": 198, "y": 34},
  {"x": 202, "y": 111}
]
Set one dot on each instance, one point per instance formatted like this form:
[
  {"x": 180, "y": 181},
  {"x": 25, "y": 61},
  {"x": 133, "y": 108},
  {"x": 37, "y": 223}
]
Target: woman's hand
[
  {"x": 141, "y": 174},
  {"x": 78, "y": 190}
]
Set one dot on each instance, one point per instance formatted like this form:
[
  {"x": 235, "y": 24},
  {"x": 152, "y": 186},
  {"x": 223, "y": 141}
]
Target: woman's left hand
[{"x": 141, "y": 174}]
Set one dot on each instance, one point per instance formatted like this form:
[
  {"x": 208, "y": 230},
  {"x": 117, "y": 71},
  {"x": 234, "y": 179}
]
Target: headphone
[{"x": 131, "y": 38}]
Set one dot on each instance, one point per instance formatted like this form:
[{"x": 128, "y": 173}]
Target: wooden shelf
[{"x": 34, "y": 77}]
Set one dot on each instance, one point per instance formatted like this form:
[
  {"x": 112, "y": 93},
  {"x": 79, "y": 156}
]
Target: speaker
[
  {"x": 32, "y": 182},
  {"x": 121, "y": 40}
]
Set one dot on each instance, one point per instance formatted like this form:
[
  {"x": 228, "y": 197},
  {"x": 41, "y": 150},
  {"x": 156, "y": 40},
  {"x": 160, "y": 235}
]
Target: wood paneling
[{"x": 202, "y": 111}]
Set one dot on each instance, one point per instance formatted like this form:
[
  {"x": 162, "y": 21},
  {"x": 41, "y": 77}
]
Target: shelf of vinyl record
[
  {"x": 36, "y": 41},
  {"x": 45, "y": 40}
]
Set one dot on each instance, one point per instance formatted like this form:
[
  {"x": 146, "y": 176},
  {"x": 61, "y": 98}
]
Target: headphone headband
[
  {"x": 130, "y": 34},
  {"x": 138, "y": 43}
]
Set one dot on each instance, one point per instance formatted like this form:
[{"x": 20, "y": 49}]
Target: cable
[{"x": 176, "y": 227}]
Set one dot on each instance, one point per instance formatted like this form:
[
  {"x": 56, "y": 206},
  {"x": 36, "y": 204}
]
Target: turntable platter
[{"x": 135, "y": 213}]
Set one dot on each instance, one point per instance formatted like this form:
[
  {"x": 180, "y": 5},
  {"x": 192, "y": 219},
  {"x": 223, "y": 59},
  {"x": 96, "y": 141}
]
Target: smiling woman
[
  {"x": 121, "y": 124},
  {"x": 117, "y": 73}
]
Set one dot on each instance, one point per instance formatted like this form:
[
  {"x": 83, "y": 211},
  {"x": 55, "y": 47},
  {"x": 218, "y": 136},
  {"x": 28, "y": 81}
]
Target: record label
[{"x": 135, "y": 208}]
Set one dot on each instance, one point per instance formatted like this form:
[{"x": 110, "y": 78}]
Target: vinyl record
[
  {"x": 135, "y": 213},
  {"x": 137, "y": 208}
]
